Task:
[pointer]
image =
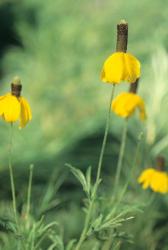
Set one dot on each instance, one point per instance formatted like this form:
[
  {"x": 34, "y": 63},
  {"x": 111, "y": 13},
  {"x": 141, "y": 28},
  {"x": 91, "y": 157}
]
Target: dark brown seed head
[
  {"x": 122, "y": 36},
  {"x": 16, "y": 86}
]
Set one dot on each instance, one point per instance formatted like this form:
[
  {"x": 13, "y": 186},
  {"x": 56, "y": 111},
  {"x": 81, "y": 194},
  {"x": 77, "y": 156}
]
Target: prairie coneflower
[
  {"x": 121, "y": 66},
  {"x": 126, "y": 103},
  {"x": 14, "y": 107},
  {"x": 156, "y": 179}
]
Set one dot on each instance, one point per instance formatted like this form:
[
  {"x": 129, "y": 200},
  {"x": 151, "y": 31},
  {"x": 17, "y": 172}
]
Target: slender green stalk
[
  {"x": 20, "y": 244},
  {"x": 121, "y": 154},
  {"x": 117, "y": 246},
  {"x": 29, "y": 190},
  {"x": 108, "y": 244},
  {"x": 91, "y": 204},
  {"x": 133, "y": 164},
  {"x": 105, "y": 137},
  {"x": 13, "y": 191},
  {"x": 11, "y": 173},
  {"x": 129, "y": 177}
]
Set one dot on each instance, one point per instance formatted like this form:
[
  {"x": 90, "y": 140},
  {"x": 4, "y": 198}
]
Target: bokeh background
[{"x": 58, "y": 48}]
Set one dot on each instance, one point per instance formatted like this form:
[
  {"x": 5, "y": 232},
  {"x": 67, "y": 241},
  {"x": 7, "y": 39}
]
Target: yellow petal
[
  {"x": 132, "y": 68},
  {"x": 119, "y": 104},
  {"x": 159, "y": 182},
  {"x": 126, "y": 103},
  {"x": 145, "y": 177},
  {"x": 25, "y": 114},
  {"x": 10, "y": 108},
  {"x": 156, "y": 180},
  {"x": 113, "y": 68}
]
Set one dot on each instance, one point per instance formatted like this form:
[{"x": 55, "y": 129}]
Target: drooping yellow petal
[
  {"x": 159, "y": 182},
  {"x": 132, "y": 68},
  {"x": 113, "y": 68},
  {"x": 119, "y": 104},
  {"x": 126, "y": 103},
  {"x": 156, "y": 180},
  {"x": 10, "y": 108},
  {"x": 119, "y": 67},
  {"x": 25, "y": 114},
  {"x": 146, "y": 177}
]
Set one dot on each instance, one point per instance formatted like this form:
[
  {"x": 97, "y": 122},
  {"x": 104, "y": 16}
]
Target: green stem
[
  {"x": 105, "y": 137},
  {"x": 29, "y": 190},
  {"x": 11, "y": 173},
  {"x": 133, "y": 164},
  {"x": 129, "y": 177},
  {"x": 121, "y": 154},
  {"x": 89, "y": 213},
  {"x": 108, "y": 244}
]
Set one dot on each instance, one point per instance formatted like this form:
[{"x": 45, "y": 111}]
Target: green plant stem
[
  {"x": 105, "y": 137},
  {"x": 91, "y": 204},
  {"x": 121, "y": 154},
  {"x": 11, "y": 173},
  {"x": 131, "y": 170},
  {"x": 108, "y": 244},
  {"x": 29, "y": 190},
  {"x": 133, "y": 164}
]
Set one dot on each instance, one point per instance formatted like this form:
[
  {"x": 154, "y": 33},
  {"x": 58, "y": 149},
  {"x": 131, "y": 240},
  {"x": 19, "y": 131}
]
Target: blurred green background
[{"x": 58, "y": 49}]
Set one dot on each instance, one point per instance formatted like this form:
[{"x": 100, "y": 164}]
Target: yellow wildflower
[
  {"x": 126, "y": 103},
  {"x": 14, "y": 107},
  {"x": 155, "y": 179},
  {"x": 120, "y": 66}
]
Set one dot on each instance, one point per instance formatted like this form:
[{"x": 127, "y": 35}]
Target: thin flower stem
[
  {"x": 131, "y": 172},
  {"x": 108, "y": 244},
  {"x": 105, "y": 137},
  {"x": 20, "y": 244},
  {"x": 91, "y": 204},
  {"x": 11, "y": 173},
  {"x": 121, "y": 154},
  {"x": 133, "y": 163},
  {"x": 29, "y": 190}
]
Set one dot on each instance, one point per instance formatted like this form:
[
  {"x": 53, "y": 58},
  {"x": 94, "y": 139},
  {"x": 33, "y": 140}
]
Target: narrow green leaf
[{"x": 79, "y": 175}]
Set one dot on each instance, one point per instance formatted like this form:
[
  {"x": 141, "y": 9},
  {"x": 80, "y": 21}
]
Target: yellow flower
[
  {"x": 14, "y": 108},
  {"x": 126, "y": 103},
  {"x": 119, "y": 67},
  {"x": 154, "y": 179}
]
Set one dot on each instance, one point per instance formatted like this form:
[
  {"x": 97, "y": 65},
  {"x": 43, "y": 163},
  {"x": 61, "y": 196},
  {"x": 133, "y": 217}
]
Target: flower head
[
  {"x": 126, "y": 103},
  {"x": 119, "y": 67},
  {"x": 14, "y": 107},
  {"x": 154, "y": 179}
]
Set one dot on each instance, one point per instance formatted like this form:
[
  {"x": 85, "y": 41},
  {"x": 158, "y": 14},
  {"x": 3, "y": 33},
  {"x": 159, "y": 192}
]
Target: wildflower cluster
[
  {"x": 123, "y": 66},
  {"x": 118, "y": 67}
]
